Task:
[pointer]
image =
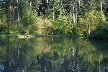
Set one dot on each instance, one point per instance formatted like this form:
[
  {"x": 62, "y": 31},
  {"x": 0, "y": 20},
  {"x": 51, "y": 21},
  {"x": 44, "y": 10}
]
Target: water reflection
[
  {"x": 42, "y": 54},
  {"x": 1, "y": 68}
]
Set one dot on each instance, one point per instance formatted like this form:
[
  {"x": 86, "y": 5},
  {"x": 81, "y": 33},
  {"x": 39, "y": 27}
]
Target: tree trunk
[
  {"x": 53, "y": 9},
  {"x": 10, "y": 16},
  {"x": 47, "y": 1},
  {"x": 30, "y": 3},
  {"x": 79, "y": 3},
  {"x": 101, "y": 8},
  {"x": 74, "y": 11},
  {"x": 18, "y": 16},
  {"x": 89, "y": 29}
]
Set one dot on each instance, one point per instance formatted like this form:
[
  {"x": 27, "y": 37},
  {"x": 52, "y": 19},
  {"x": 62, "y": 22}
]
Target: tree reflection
[{"x": 60, "y": 55}]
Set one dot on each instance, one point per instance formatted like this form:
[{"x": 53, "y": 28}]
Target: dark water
[{"x": 46, "y": 54}]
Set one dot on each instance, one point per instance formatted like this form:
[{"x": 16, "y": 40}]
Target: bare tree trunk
[
  {"x": 89, "y": 29},
  {"x": 19, "y": 27},
  {"x": 79, "y": 3},
  {"x": 76, "y": 14},
  {"x": 10, "y": 16},
  {"x": 47, "y": 1},
  {"x": 74, "y": 11},
  {"x": 73, "y": 52},
  {"x": 53, "y": 9},
  {"x": 101, "y": 8},
  {"x": 30, "y": 3},
  {"x": 73, "y": 15}
]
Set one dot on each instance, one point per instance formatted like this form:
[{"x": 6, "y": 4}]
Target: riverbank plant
[{"x": 101, "y": 32}]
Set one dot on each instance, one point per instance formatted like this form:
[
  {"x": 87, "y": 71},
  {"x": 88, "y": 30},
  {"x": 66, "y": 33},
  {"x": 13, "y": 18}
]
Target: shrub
[
  {"x": 62, "y": 26},
  {"x": 100, "y": 33},
  {"x": 3, "y": 19},
  {"x": 88, "y": 22},
  {"x": 43, "y": 26}
]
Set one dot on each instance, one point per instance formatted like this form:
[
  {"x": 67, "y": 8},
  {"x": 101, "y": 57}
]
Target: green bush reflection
[{"x": 56, "y": 54}]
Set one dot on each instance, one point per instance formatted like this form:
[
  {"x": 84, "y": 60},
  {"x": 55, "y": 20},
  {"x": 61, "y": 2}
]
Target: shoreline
[{"x": 32, "y": 36}]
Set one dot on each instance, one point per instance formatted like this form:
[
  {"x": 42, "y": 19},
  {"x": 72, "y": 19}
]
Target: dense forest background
[{"x": 77, "y": 17}]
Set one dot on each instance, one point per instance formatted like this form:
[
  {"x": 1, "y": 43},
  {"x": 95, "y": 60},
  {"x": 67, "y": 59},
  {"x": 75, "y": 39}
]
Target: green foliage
[
  {"x": 44, "y": 26},
  {"x": 58, "y": 25},
  {"x": 14, "y": 29},
  {"x": 63, "y": 25},
  {"x": 3, "y": 19},
  {"x": 90, "y": 21},
  {"x": 69, "y": 24},
  {"x": 101, "y": 32},
  {"x": 33, "y": 24},
  {"x": 35, "y": 16},
  {"x": 28, "y": 20}
]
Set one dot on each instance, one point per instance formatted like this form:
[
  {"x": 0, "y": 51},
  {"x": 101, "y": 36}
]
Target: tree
[
  {"x": 3, "y": 19},
  {"x": 19, "y": 26}
]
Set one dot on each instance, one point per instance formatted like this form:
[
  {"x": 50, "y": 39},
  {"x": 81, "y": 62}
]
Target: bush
[
  {"x": 62, "y": 26},
  {"x": 44, "y": 26},
  {"x": 3, "y": 19},
  {"x": 58, "y": 26},
  {"x": 100, "y": 33},
  {"x": 88, "y": 22}
]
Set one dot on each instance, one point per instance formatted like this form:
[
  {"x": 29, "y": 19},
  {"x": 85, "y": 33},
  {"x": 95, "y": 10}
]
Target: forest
[{"x": 46, "y": 17}]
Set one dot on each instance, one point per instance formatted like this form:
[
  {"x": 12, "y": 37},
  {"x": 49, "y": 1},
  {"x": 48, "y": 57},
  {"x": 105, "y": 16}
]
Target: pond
[{"x": 52, "y": 54}]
